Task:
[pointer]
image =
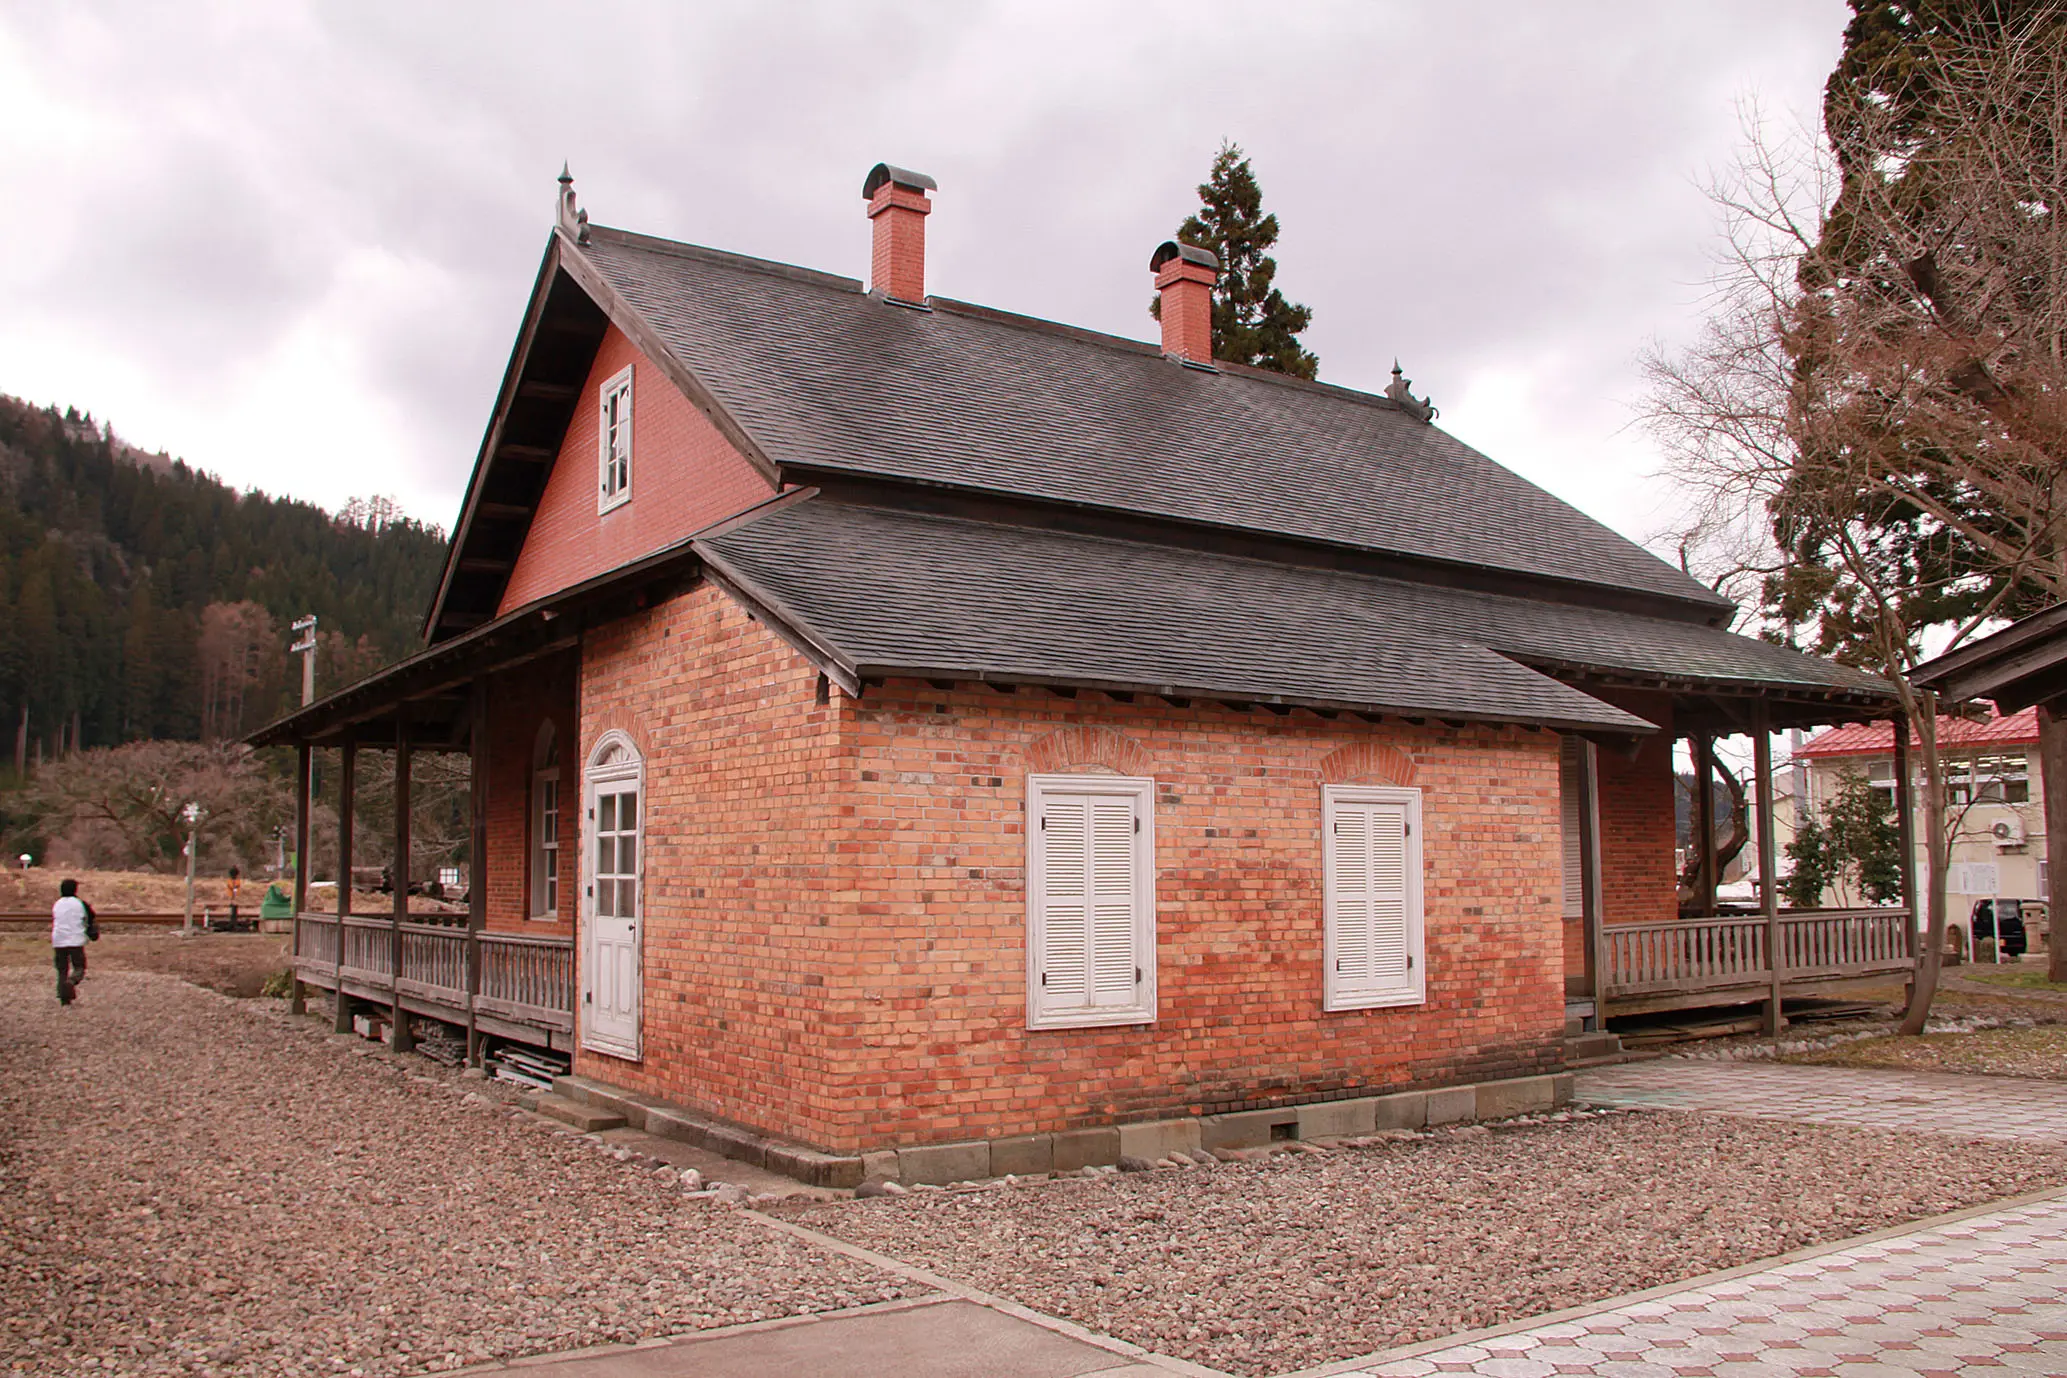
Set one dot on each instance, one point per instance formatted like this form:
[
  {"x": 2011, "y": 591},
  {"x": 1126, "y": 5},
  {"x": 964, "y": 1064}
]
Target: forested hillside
[{"x": 140, "y": 598}]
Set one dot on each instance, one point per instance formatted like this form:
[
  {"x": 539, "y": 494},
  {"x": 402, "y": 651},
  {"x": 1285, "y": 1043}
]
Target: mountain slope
[{"x": 142, "y": 598}]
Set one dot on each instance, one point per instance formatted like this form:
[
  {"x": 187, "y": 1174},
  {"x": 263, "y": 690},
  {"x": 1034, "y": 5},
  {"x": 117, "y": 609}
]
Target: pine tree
[{"x": 1252, "y": 322}]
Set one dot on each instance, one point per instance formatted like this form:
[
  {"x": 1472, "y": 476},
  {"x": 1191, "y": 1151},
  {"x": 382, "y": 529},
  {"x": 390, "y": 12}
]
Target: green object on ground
[{"x": 275, "y": 904}]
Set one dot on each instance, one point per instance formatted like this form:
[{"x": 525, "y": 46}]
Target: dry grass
[
  {"x": 2018, "y": 979},
  {"x": 2018, "y": 1052},
  {"x": 232, "y": 963}
]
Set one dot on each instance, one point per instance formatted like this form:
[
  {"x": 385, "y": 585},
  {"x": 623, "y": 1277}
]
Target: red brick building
[{"x": 898, "y": 722}]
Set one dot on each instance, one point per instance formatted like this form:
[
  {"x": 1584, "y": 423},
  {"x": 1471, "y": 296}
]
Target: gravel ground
[
  {"x": 195, "y": 1185},
  {"x": 2039, "y": 1051},
  {"x": 1301, "y": 1258}
]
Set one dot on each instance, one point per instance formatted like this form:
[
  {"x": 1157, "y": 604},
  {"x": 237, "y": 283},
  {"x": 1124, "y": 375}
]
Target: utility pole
[
  {"x": 305, "y": 647},
  {"x": 192, "y": 813}
]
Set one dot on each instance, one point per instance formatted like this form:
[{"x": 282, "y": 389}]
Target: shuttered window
[
  {"x": 1373, "y": 950},
  {"x": 1571, "y": 800},
  {"x": 614, "y": 441},
  {"x": 1090, "y": 901}
]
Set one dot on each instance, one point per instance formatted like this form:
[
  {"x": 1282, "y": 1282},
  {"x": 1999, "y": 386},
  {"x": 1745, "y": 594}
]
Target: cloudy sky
[{"x": 291, "y": 242}]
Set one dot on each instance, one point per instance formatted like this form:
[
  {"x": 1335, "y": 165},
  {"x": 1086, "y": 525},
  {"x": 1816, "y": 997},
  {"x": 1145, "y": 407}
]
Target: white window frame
[
  {"x": 1416, "y": 992},
  {"x": 614, "y": 481},
  {"x": 1142, "y": 794},
  {"x": 543, "y": 901}
]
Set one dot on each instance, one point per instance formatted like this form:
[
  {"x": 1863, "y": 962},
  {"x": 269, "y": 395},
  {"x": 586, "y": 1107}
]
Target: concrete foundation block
[
  {"x": 1023, "y": 1155},
  {"x": 1514, "y": 1096},
  {"x": 880, "y": 1166},
  {"x": 1335, "y": 1119},
  {"x": 816, "y": 1169},
  {"x": 727, "y": 1142},
  {"x": 665, "y": 1124},
  {"x": 1562, "y": 1086},
  {"x": 1076, "y": 1148},
  {"x": 1454, "y": 1105},
  {"x": 1248, "y": 1128},
  {"x": 943, "y": 1163},
  {"x": 1158, "y": 1138},
  {"x": 1401, "y": 1110}
]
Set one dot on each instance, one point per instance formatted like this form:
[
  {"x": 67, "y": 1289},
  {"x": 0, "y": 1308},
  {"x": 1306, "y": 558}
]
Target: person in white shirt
[{"x": 71, "y": 926}]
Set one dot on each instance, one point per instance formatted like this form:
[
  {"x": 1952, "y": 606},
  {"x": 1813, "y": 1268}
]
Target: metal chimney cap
[
  {"x": 1190, "y": 253},
  {"x": 896, "y": 176}
]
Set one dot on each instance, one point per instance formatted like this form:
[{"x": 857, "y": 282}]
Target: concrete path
[
  {"x": 1980, "y": 1295},
  {"x": 1870, "y": 1098},
  {"x": 935, "y": 1337}
]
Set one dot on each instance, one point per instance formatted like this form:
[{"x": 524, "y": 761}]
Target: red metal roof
[{"x": 1878, "y": 738}]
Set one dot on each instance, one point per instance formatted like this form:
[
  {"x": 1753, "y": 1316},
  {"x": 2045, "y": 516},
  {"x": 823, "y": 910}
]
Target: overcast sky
[{"x": 291, "y": 242}]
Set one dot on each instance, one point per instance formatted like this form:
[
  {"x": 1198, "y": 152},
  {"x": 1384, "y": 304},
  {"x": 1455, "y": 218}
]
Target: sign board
[{"x": 1973, "y": 878}]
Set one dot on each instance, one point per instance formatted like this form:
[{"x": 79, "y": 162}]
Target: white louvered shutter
[
  {"x": 1373, "y": 948},
  {"x": 1091, "y": 942},
  {"x": 1569, "y": 789}
]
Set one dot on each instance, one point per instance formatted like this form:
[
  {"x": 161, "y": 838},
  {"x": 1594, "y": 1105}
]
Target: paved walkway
[
  {"x": 1872, "y": 1098},
  {"x": 936, "y": 1337},
  {"x": 1981, "y": 1296}
]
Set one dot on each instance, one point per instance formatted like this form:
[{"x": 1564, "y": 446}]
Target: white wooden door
[{"x": 614, "y": 905}]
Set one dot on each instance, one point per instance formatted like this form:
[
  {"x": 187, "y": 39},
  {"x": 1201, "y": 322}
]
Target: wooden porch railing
[
  {"x": 522, "y": 977},
  {"x": 528, "y": 978},
  {"x": 1694, "y": 955}
]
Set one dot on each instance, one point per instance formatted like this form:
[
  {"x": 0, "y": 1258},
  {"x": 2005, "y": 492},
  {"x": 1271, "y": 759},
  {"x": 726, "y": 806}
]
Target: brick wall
[
  {"x": 836, "y": 921},
  {"x": 743, "y": 839},
  {"x": 1639, "y": 882},
  {"x": 938, "y": 1048},
  {"x": 684, "y": 477},
  {"x": 518, "y": 702}
]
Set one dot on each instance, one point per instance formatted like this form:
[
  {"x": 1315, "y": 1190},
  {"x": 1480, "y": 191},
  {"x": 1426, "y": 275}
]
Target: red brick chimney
[
  {"x": 1185, "y": 275},
  {"x": 898, "y": 204}
]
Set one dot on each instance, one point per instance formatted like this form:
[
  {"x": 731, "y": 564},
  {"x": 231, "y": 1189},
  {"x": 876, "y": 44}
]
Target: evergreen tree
[{"x": 1252, "y": 322}]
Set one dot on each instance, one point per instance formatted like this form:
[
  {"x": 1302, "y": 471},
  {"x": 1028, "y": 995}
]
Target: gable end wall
[{"x": 685, "y": 475}]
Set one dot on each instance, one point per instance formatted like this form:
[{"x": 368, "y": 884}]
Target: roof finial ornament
[
  {"x": 574, "y": 222},
  {"x": 1401, "y": 391}
]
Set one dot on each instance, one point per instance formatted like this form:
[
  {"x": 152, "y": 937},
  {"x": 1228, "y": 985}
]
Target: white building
[{"x": 1994, "y": 801}]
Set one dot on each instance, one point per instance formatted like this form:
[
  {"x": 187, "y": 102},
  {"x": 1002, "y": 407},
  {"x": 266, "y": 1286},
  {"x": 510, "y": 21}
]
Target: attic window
[{"x": 614, "y": 442}]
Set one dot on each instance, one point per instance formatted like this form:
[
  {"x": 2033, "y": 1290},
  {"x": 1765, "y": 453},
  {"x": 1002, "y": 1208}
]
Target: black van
[{"x": 1981, "y": 924}]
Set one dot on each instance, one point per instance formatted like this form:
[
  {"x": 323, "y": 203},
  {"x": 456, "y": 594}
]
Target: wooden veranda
[
  {"x": 449, "y": 967},
  {"x": 1711, "y": 954}
]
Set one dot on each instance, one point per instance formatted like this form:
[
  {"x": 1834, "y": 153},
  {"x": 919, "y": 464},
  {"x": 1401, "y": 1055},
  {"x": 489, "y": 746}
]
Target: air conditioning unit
[{"x": 2008, "y": 832}]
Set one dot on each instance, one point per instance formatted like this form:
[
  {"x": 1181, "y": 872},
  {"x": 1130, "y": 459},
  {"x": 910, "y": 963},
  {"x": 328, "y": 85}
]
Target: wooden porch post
[
  {"x": 398, "y": 1025},
  {"x": 1598, "y": 974},
  {"x": 347, "y": 792},
  {"x": 1905, "y": 827},
  {"x": 304, "y": 772},
  {"x": 2052, "y": 779},
  {"x": 477, "y": 859},
  {"x": 1705, "y": 879},
  {"x": 1769, "y": 889}
]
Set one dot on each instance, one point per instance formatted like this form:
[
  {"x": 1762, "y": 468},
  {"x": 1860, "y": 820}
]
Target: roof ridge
[
  {"x": 1041, "y": 324},
  {"x": 677, "y": 248},
  {"x": 997, "y": 315}
]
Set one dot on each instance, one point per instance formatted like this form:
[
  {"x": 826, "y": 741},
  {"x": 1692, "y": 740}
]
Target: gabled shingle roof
[
  {"x": 899, "y": 592},
  {"x": 825, "y": 378}
]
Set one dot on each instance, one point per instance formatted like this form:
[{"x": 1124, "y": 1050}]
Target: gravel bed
[
  {"x": 1263, "y": 1267},
  {"x": 195, "y": 1185}
]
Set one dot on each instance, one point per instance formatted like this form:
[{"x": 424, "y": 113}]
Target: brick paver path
[
  {"x": 1981, "y": 1296},
  {"x": 1873, "y": 1098}
]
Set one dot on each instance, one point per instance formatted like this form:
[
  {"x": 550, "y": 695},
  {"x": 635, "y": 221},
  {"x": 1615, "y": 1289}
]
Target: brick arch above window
[
  {"x": 1069, "y": 748},
  {"x": 602, "y": 726},
  {"x": 1367, "y": 762}
]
